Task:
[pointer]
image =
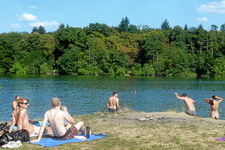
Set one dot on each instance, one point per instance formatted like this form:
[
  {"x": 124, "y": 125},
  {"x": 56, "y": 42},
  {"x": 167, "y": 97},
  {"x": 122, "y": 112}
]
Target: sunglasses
[{"x": 24, "y": 103}]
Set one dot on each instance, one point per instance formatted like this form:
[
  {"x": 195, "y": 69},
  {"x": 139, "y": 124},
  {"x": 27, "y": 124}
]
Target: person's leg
[
  {"x": 79, "y": 125},
  {"x": 48, "y": 130}
]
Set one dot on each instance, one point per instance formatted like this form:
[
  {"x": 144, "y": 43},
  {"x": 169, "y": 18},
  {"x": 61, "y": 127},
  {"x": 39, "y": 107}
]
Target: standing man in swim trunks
[
  {"x": 21, "y": 119},
  {"x": 189, "y": 103},
  {"x": 214, "y": 105},
  {"x": 56, "y": 117},
  {"x": 113, "y": 103}
]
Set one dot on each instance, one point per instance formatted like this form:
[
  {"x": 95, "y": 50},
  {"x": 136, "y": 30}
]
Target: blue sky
[{"x": 23, "y": 15}]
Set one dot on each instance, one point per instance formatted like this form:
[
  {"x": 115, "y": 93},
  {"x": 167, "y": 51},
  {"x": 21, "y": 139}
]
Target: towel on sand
[
  {"x": 221, "y": 139},
  {"x": 50, "y": 142}
]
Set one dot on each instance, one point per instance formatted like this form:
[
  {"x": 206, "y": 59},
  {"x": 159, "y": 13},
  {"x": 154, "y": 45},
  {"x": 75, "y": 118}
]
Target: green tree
[
  {"x": 165, "y": 25},
  {"x": 214, "y": 27},
  {"x": 148, "y": 70},
  {"x": 222, "y": 28},
  {"x": 101, "y": 28},
  {"x": 124, "y": 25}
]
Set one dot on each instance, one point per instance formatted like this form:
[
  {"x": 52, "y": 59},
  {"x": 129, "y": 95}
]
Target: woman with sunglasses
[{"x": 21, "y": 119}]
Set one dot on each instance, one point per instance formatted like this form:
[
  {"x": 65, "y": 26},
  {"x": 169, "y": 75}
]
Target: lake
[{"x": 86, "y": 94}]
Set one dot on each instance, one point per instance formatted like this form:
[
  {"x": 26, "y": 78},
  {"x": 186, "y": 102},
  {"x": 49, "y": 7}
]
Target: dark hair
[
  {"x": 184, "y": 94},
  {"x": 17, "y": 97},
  {"x": 115, "y": 93},
  {"x": 213, "y": 97}
]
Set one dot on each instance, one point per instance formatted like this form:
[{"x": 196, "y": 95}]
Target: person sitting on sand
[
  {"x": 214, "y": 106},
  {"x": 56, "y": 117},
  {"x": 20, "y": 118},
  {"x": 14, "y": 103},
  {"x": 113, "y": 103},
  {"x": 189, "y": 103}
]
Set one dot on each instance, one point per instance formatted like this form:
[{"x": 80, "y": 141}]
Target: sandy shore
[{"x": 156, "y": 131}]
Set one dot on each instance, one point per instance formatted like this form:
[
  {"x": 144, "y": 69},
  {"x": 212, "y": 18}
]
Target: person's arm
[
  {"x": 207, "y": 100},
  {"x": 67, "y": 116},
  {"x": 21, "y": 118},
  {"x": 108, "y": 103},
  {"x": 13, "y": 122},
  {"x": 117, "y": 104},
  {"x": 14, "y": 105},
  {"x": 193, "y": 101},
  {"x": 41, "y": 129},
  {"x": 220, "y": 99},
  {"x": 178, "y": 97}
]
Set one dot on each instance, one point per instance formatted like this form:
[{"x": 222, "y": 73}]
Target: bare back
[
  {"x": 113, "y": 103},
  {"x": 189, "y": 103},
  {"x": 214, "y": 105},
  {"x": 56, "y": 119},
  {"x": 22, "y": 120}
]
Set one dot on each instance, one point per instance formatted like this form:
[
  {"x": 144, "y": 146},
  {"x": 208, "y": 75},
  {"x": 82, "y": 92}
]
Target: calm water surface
[{"x": 83, "y": 94}]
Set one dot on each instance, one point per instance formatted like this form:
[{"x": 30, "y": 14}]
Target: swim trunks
[
  {"x": 112, "y": 110},
  {"x": 70, "y": 133},
  {"x": 190, "y": 112}
]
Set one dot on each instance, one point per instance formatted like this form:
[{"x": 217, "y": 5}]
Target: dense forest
[{"x": 126, "y": 49}]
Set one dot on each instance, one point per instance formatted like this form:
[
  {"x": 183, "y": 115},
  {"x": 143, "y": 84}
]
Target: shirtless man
[
  {"x": 189, "y": 103},
  {"x": 214, "y": 106},
  {"x": 21, "y": 119},
  {"x": 56, "y": 118},
  {"x": 113, "y": 103},
  {"x": 14, "y": 103}
]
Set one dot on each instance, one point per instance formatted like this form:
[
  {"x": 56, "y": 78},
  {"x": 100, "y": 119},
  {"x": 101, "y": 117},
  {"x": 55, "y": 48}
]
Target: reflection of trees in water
[{"x": 1, "y": 87}]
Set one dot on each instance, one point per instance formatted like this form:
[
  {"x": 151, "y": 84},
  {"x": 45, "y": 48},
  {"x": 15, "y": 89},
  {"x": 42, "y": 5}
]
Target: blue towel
[{"x": 50, "y": 142}]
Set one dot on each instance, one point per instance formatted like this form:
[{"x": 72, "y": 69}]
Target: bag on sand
[{"x": 20, "y": 135}]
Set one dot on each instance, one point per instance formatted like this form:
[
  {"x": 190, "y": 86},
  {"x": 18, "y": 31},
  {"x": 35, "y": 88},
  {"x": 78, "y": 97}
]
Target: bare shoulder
[{"x": 48, "y": 112}]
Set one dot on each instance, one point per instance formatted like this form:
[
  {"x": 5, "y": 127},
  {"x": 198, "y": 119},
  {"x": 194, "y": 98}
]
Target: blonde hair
[{"x": 56, "y": 102}]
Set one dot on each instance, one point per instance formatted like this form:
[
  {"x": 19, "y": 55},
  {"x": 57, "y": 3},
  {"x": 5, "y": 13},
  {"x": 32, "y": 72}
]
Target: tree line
[{"x": 126, "y": 49}]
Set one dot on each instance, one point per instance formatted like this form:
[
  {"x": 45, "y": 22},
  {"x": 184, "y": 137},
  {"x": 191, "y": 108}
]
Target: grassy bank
[{"x": 158, "y": 131}]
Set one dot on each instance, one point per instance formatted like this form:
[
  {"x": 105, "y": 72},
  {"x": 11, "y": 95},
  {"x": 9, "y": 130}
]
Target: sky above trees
[{"x": 23, "y": 15}]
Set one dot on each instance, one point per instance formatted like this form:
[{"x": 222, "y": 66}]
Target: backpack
[
  {"x": 20, "y": 135},
  {"x": 4, "y": 127}
]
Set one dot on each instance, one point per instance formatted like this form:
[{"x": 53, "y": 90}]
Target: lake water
[{"x": 85, "y": 94}]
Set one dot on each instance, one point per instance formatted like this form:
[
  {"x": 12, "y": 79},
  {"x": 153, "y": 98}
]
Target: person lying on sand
[
  {"x": 56, "y": 117},
  {"x": 189, "y": 103},
  {"x": 214, "y": 105},
  {"x": 113, "y": 103},
  {"x": 20, "y": 118}
]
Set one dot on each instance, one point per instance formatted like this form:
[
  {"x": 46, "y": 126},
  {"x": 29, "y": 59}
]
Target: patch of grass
[{"x": 126, "y": 133}]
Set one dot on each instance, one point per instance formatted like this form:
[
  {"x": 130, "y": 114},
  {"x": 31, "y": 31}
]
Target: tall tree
[
  {"x": 185, "y": 27},
  {"x": 165, "y": 25},
  {"x": 41, "y": 30},
  {"x": 124, "y": 25},
  {"x": 222, "y": 28},
  {"x": 214, "y": 27}
]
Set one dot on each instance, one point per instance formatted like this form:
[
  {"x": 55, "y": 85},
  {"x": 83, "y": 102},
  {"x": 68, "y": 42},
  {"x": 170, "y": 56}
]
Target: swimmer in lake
[
  {"x": 214, "y": 102},
  {"x": 113, "y": 103}
]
